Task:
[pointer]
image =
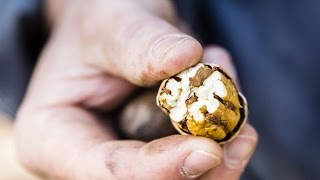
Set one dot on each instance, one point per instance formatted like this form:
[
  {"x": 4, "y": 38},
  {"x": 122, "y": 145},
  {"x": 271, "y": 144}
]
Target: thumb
[
  {"x": 174, "y": 157},
  {"x": 131, "y": 41}
]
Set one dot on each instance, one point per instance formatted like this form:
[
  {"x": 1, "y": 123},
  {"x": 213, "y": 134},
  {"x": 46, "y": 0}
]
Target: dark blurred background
[{"x": 22, "y": 34}]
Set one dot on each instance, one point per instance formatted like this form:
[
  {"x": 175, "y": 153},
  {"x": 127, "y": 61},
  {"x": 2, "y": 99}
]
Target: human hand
[{"x": 96, "y": 54}]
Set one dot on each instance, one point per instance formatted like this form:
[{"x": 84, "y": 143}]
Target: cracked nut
[{"x": 204, "y": 101}]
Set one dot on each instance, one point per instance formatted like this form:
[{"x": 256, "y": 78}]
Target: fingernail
[
  {"x": 167, "y": 43},
  {"x": 238, "y": 152},
  {"x": 198, "y": 162}
]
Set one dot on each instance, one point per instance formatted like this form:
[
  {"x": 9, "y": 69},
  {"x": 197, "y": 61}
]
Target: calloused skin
[{"x": 98, "y": 52}]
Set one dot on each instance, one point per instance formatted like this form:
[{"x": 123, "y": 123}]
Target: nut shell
[{"x": 204, "y": 101}]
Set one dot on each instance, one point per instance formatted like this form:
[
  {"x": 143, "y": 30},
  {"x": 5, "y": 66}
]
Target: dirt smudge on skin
[{"x": 163, "y": 145}]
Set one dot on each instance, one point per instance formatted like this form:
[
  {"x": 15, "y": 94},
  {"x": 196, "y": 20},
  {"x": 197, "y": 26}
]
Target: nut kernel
[{"x": 204, "y": 101}]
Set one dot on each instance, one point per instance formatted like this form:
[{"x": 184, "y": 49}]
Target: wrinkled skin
[{"x": 97, "y": 53}]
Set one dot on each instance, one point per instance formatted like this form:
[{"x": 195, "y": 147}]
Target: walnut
[{"x": 204, "y": 101}]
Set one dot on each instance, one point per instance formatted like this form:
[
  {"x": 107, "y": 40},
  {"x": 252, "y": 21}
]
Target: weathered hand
[{"x": 96, "y": 54}]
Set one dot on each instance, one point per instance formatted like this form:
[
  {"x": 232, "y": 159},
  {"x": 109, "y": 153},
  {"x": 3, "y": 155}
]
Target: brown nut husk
[{"x": 204, "y": 101}]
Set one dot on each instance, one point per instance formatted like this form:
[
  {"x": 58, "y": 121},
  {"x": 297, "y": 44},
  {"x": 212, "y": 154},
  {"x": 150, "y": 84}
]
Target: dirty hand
[{"x": 97, "y": 53}]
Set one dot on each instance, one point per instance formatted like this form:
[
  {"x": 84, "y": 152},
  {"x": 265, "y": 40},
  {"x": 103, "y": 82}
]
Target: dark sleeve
[{"x": 22, "y": 35}]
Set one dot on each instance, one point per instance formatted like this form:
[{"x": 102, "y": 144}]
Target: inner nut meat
[{"x": 204, "y": 101}]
